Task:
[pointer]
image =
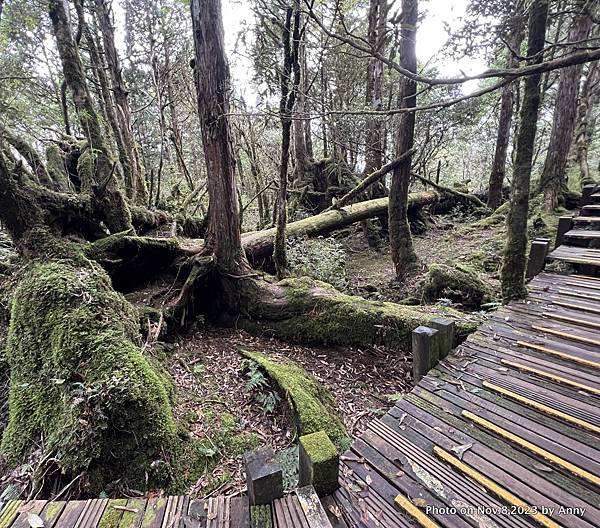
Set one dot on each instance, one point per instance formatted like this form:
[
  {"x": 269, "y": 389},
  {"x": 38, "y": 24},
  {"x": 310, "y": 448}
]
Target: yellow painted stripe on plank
[
  {"x": 558, "y": 353},
  {"x": 541, "y": 407},
  {"x": 567, "y": 335},
  {"x": 493, "y": 487},
  {"x": 549, "y": 375},
  {"x": 9, "y": 513},
  {"x": 533, "y": 448},
  {"x": 414, "y": 512},
  {"x": 582, "y": 322},
  {"x": 577, "y": 307}
]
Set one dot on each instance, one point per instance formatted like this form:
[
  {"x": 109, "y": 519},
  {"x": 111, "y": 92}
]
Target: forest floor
[{"x": 211, "y": 375}]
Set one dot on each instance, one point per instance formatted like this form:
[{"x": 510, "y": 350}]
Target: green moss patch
[
  {"x": 458, "y": 283},
  {"x": 80, "y": 386},
  {"x": 313, "y": 404},
  {"x": 311, "y": 311}
]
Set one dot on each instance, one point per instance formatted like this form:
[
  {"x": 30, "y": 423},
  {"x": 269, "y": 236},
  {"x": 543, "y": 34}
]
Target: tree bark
[
  {"x": 211, "y": 72},
  {"x": 553, "y": 179},
  {"x": 513, "y": 266},
  {"x": 289, "y": 90},
  {"x": 136, "y": 189},
  {"x": 498, "y": 173},
  {"x": 403, "y": 254},
  {"x": 104, "y": 187},
  {"x": 590, "y": 92}
]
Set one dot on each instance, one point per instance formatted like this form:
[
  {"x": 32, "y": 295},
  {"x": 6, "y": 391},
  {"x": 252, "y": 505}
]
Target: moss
[
  {"x": 112, "y": 516},
  {"x": 458, "y": 283},
  {"x": 319, "y": 462},
  {"x": 80, "y": 382},
  {"x": 86, "y": 169},
  {"x": 317, "y": 313},
  {"x": 313, "y": 404}
]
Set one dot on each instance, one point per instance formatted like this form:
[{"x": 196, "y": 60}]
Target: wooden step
[
  {"x": 590, "y": 210},
  {"x": 582, "y": 233},
  {"x": 576, "y": 255},
  {"x": 586, "y": 219}
]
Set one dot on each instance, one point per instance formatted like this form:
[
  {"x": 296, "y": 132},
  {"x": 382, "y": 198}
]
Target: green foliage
[
  {"x": 319, "y": 258},
  {"x": 258, "y": 384}
]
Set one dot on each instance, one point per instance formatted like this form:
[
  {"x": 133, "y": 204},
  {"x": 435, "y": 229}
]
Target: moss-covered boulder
[
  {"x": 80, "y": 388},
  {"x": 312, "y": 404},
  {"x": 458, "y": 283}
]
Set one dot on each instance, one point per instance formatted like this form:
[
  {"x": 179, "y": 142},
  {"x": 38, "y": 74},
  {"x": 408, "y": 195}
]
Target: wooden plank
[
  {"x": 567, "y": 335},
  {"x": 51, "y": 513},
  {"x": 334, "y": 512},
  {"x": 533, "y": 448},
  {"x": 414, "y": 512},
  {"x": 28, "y": 508},
  {"x": 498, "y": 460},
  {"x": 298, "y": 518},
  {"x": 559, "y": 354},
  {"x": 261, "y": 517},
  {"x": 133, "y": 514},
  {"x": 155, "y": 512},
  {"x": 312, "y": 507},
  {"x": 240, "y": 512},
  {"x": 91, "y": 514},
  {"x": 9, "y": 513},
  {"x": 493, "y": 487},
  {"x": 70, "y": 514},
  {"x": 197, "y": 514}
]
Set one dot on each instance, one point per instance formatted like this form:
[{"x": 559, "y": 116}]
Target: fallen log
[{"x": 259, "y": 244}]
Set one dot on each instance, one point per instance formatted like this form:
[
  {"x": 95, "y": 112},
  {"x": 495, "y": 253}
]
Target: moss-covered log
[
  {"x": 308, "y": 311},
  {"x": 81, "y": 390},
  {"x": 312, "y": 404},
  {"x": 259, "y": 244},
  {"x": 458, "y": 283}
]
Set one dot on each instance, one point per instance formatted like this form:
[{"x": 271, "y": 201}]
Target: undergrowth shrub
[{"x": 320, "y": 258}]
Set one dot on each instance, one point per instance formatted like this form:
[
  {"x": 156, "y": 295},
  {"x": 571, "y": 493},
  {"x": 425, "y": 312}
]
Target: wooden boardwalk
[
  {"x": 300, "y": 509},
  {"x": 503, "y": 433}
]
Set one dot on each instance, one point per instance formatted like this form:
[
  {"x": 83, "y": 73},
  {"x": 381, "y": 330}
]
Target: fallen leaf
[
  {"x": 35, "y": 521},
  {"x": 419, "y": 502}
]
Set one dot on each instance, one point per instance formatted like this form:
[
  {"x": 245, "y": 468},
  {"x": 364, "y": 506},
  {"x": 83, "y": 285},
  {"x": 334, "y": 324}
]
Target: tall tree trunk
[
  {"x": 136, "y": 189},
  {"x": 301, "y": 125},
  {"x": 590, "y": 92},
  {"x": 513, "y": 267},
  {"x": 223, "y": 238},
  {"x": 289, "y": 89},
  {"x": 105, "y": 190},
  {"x": 505, "y": 119},
  {"x": 403, "y": 254},
  {"x": 553, "y": 179}
]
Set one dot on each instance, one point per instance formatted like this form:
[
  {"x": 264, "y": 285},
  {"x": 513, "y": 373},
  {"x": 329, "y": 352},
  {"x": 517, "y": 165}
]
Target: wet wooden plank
[
  {"x": 196, "y": 515},
  {"x": 26, "y": 509},
  {"x": 70, "y": 514},
  {"x": 9, "y": 513},
  {"x": 334, "y": 512},
  {"x": 51, "y": 513},
  {"x": 133, "y": 513},
  {"x": 240, "y": 512},
  {"x": 154, "y": 513}
]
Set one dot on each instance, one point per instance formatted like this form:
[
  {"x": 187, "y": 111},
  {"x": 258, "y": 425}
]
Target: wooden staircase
[{"x": 580, "y": 244}]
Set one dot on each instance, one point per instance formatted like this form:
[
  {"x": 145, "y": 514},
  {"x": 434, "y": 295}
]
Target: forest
[{"x": 221, "y": 220}]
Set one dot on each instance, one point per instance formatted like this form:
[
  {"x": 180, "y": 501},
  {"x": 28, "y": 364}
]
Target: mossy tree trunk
[
  {"x": 513, "y": 266},
  {"x": 137, "y": 189},
  {"x": 104, "y": 182},
  {"x": 403, "y": 253},
  {"x": 553, "y": 181},
  {"x": 507, "y": 101}
]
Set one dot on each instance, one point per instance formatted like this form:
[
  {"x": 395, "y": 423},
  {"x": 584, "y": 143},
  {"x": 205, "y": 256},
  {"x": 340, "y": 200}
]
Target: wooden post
[
  {"x": 565, "y": 223},
  {"x": 537, "y": 257},
  {"x": 264, "y": 476},
  {"x": 586, "y": 194},
  {"x": 445, "y": 336},
  {"x": 319, "y": 463},
  {"x": 424, "y": 349}
]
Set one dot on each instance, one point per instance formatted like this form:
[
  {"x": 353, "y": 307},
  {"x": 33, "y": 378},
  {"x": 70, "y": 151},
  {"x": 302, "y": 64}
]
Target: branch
[
  {"x": 512, "y": 73},
  {"x": 371, "y": 179}
]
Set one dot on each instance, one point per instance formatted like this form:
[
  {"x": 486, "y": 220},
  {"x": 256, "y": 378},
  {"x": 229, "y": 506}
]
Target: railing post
[
  {"x": 564, "y": 224},
  {"x": 319, "y": 463},
  {"x": 425, "y": 351},
  {"x": 264, "y": 476},
  {"x": 445, "y": 336},
  {"x": 537, "y": 257}
]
